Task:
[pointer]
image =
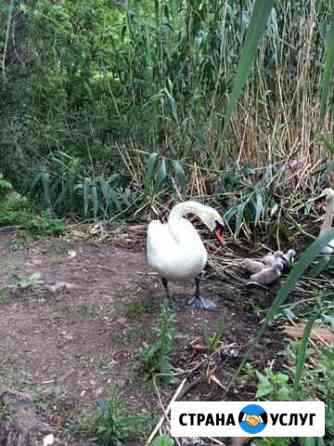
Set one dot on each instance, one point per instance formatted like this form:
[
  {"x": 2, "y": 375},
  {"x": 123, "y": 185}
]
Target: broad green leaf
[
  {"x": 264, "y": 388},
  {"x": 35, "y": 181},
  {"x": 151, "y": 165},
  {"x": 256, "y": 29},
  {"x": 172, "y": 103},
  {"x": 105, "y": 189},
  {"x": 163, "y": 440},
  {"x": 45, "y": 180},
  {"x": 230, "y": 213},
  {"x": 259, "y": 207},
  {"x": 319, "y": 267},
  {"x": 301, "y": 354},
  {"x": 179, "y": 173},
  {"x": 86, "y": 188},
  {"x": 273, "y": 209},
  {"x": 162, "y": 173},
  {"x": 95, "y": 200},
  {"x": 115, "y": 199},
  {"x": 328, "y": 72}
]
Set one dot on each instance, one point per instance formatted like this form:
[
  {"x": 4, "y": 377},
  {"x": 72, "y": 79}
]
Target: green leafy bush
[
  {"x": 23, "y": 216},
  {"x": 163, "y": 440},
  {"x": 113, "y": 425},
  {"x": 155, "y": 359}
]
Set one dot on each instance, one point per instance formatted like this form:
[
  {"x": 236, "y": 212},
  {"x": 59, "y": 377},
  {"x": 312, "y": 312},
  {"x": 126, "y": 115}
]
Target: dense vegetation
[{"x": 91, "y": 89}]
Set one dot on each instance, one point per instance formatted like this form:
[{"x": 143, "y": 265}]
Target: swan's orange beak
[{"x": 219, "y": 233}]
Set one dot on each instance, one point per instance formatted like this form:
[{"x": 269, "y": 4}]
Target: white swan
[
  {"x": 328, "y": 221},
  {"x": 176, "y": 251}
]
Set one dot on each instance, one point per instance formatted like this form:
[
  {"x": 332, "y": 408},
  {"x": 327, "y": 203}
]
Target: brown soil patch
[{"x": 66, "y": 346}]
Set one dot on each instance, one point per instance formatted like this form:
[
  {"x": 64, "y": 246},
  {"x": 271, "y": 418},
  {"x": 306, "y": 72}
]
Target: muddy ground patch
[{"x": 78, "y": 328}]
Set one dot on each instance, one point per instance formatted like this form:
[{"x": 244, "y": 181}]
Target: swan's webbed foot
[{"x": 201, "y": 303}]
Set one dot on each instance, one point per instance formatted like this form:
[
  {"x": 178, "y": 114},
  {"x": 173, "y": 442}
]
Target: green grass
[
  {"x": 22, "y": 216},
  {"x": 134, "y": 309},
  {"x": 4, "y": 296},
  {"x": 113, "y": 425},
  {"x": 155, "y": 358}
]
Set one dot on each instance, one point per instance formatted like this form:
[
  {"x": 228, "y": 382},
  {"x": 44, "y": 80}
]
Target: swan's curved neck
[
  {"x": 177, "y": 214},
  {"x": 182, "y": 209},
  {"x": 328, "y": 219}
]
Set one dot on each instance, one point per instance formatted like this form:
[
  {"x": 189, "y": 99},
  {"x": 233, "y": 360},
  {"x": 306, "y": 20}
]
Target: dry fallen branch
[{"x": 166, "y": 412}]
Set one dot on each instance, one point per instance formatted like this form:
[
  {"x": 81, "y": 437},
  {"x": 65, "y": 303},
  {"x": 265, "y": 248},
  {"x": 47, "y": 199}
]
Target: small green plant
[
  {"x": 14, "y": 213},
  {"x": 68, "y": 188},
  {"x": 161, "y": 171},
  {"x": 88, "y": 311},
  {"x": 274, "y": 385},
  {"x": 5, "y": 186},
  {"x": 45, "y": 224},
  {"x": 3, "y": 296},
  {"x": 156, "y": 358},
  {"x": 4, "y": 411},
  {"x": 133, "y": 309},
  {"x": 26, "y": 281},
  {"x": 22, "y": 215},
  {"x": 163, "y": 440},
  {"x": 213, "y": 342},
  {"x": 314, "y": 383},
  {"x": 112, "y": 425}
]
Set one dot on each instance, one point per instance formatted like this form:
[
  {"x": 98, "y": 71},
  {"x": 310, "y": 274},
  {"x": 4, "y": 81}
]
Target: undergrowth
[
  {"x": 316, "y": 383},
  {"x": 113, "y": 425},
  {"x": 24, "y": 217},
  {"x": 114, "y": 120},
  {"x": 155, "y": 359},
  {"x": 18, "y": 213}
]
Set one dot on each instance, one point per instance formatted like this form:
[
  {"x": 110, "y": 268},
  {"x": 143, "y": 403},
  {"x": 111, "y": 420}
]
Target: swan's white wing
[
  {"x": 175, "y": 259},
  {"x": 158, "y": 243}
]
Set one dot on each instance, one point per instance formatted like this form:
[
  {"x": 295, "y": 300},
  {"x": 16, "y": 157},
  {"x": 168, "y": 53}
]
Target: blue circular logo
[{"x": 253, "y": 419}]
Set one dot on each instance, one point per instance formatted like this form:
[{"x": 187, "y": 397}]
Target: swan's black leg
[
  {"x": 200, "y": 302},
  {"x": 165, "y": 284},
  {"x": 197, "y": 282},
  {"x": 171, "y": 302}
]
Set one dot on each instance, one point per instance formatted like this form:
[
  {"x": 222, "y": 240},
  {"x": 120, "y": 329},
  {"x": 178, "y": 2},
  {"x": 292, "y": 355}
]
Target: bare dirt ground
[{"x": 67, "y": 344}]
